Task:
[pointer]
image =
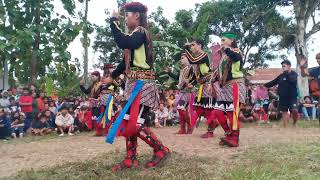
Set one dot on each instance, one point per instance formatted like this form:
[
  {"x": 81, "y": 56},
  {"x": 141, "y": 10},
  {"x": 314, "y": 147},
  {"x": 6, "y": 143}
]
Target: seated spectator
[
  {"x": 40, "y": 126},
  {"x": 52, "y": 107},
  {"x": 17, "y": 124},
  {"x": 245, "y": 114},
  {"x": 84, "y": 119},
  {"x": 51, "y": 118},
  {"x": 162, "y": 115},
  {"x": 259, "y": 114},
  {"x": 64, "y": 121},
  {"x": 173, "y": 117},
  {"x": 5, "y": 128},
  {"x": 309, "y": 109},
  {"x": 273, "y": 111},
  {"x": 14, "y": 106}
]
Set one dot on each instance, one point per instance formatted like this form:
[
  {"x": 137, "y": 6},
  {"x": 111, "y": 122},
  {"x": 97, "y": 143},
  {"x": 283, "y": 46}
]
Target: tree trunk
[
  {"x": 36, "y": 45},
  {"x": 301, "y": 51},
  {"x": 85, "y": 43}
]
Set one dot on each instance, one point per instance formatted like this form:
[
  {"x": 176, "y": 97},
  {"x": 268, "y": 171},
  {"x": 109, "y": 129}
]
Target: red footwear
[
  {"x": 127, "y": 163},
  {"x": 208, "y": 134},
  {"x": 190, "y": 131},
  {"x": 161, "y": 152},
  {"x": 233, "y": 141},
  {"x": 130, "y": 161},
  {"x": 158, "y": 158}
]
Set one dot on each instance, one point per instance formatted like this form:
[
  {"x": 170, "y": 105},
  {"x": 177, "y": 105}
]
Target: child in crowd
[
  {"x": 84, "y": 119},
  {"x": 259, "y": 114},
  {"x": 41, "y": 127},
  {"x": 17, "y": 124},
  {"x": 245, "y": 114},
  {"x": 52, "y": 107},
  {"x": 64, "y": 121}
]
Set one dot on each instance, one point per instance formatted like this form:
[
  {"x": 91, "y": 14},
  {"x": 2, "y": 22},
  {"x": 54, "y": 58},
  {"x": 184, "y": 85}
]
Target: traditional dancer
[
  {"x": 230, "y": 90},
  {"x": 204, "y": 101},
  {"x": 93, "y": 92},
  {"x": 140, "y": 91},
  {"x": 185, "y": 99}
]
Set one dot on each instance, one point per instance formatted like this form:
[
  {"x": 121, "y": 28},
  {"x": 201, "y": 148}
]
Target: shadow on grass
[{"x": 273, "y": 161}]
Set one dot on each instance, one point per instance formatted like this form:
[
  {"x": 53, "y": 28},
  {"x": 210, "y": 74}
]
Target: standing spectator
[
  {"x": 35, "y": 111},
  {"x": 41, "y": 102},
  {"x": 17, "y": 124},
  {"x": 308, "y": 109},
  {"x": 4, "y": 125},
  {"x": 64, "y": 121},
  {"x": 287, "y": 91},
  {"x": 162, "y": 115},
  {"x": 25, "y": 102}
]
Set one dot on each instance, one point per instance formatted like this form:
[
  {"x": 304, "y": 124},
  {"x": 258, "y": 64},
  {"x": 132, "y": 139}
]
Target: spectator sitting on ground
[
  {"x": 40, "y": 126},
  {"x": 84, "y": 119},
  {"x": 64, "y": 121},
  {"x": 273, "y": 111},
  {"x": 245, "y": 114},
  {"x": 17, "y": 124},
  {"x": 5, "y": 129},
  {"x": 259, "y": 114},
  {"x": 309, "y": 109},
  {"x": 14, "y": 106},
  {"x": 51, "y": 118},
  {"x": 52, "y": 107},
  {"x": 161, "y": 116}
]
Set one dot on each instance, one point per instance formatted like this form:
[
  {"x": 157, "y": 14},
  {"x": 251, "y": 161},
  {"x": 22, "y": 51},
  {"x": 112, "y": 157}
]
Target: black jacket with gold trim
[
  {"x": 139, "y": 45},
  {"x": 202, "y": 69}
]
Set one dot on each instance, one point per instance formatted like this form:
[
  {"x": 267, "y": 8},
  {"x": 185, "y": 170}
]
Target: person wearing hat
[
  {"x": 230, "y": 89},
  {"x": 205, "y": 98},
  {"x": 141, "y": 91},
  {"x": 64, "y": 121},
  {"x": 288, "y": 92}
]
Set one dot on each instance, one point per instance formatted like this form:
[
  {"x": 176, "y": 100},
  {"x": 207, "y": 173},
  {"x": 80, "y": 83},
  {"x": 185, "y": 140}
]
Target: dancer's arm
[{"x": 131, "y": 41}]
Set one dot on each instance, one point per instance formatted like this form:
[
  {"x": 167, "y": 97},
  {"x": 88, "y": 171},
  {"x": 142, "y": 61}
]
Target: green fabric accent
[
  {"x": 229, "y": 35},
  {"x": 236, "y": 72},
  {"x": 204, "y": 69},
  {"x": 140, "y": 59}
]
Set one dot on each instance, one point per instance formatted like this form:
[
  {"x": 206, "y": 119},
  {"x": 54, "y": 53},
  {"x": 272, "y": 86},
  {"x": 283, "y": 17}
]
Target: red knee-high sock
[
  {"x": 183, "y": 117},
  {"x": 151, "y": 139},
  {"x": 212, "y": 119},
  {"x": 223, "y": 121}
]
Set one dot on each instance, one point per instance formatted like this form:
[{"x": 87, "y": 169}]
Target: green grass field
[{"x": 274, "y": 161}]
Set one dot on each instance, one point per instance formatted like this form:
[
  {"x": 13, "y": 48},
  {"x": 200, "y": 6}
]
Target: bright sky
[{"x": 97, "y": 16}]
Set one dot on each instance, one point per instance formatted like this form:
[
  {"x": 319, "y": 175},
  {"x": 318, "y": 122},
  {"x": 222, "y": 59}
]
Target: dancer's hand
[{"x": 115, "y": 14}]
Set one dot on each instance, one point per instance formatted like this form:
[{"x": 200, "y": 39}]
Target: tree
[
  {"x": 304, "y": 12},
  {"x": 256, "y": 23}
]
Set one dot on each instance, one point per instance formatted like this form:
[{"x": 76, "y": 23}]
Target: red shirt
[
  {"x": 26, "y": 99},
  {"x": 41, "y": 105},
  {"x": 87, "y": 118}
]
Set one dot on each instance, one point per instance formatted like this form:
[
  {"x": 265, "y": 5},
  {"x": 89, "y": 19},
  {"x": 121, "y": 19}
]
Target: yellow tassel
[
  {"x": 200, "y": 93},
  {"x": 236, "y": 112},
  {"x": 110, "y": 109}
]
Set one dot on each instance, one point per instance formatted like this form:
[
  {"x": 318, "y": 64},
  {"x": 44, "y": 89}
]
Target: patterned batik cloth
[{"x": 225, "y": 96}]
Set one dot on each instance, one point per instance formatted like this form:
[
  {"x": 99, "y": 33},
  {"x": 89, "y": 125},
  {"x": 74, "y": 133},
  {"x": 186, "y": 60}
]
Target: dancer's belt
[
  {"x": 142, "y": 74},
  {"x": 238, "y": 80}
]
